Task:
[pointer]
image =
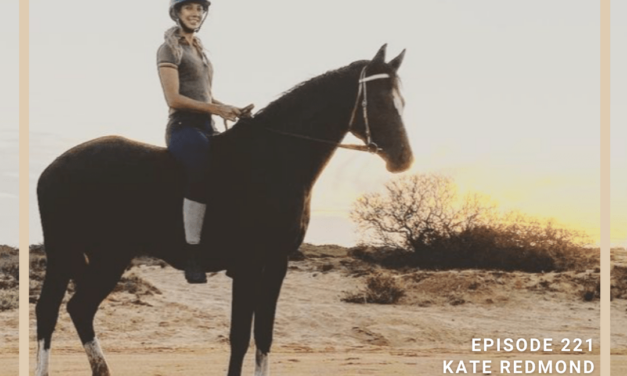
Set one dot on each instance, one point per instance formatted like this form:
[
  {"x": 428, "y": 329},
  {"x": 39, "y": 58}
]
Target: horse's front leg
[
  {"x": 242, "y": 307},
  {"x": 265, "y": 311}
]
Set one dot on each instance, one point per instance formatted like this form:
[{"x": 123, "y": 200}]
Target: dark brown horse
[{"x": 108, "y": 200}]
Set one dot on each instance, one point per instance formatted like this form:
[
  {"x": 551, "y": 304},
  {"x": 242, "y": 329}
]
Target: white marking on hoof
[
  {"x": 262, "y": 367},
  {"x": 43, "y": 359},
  {"x": 96, "y": 358}
]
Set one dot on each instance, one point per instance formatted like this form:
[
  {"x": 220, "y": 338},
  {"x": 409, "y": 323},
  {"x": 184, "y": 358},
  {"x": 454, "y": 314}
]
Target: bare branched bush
[
  {"x": 424, "y": 214},
  {"x": 417, "y": 210}
]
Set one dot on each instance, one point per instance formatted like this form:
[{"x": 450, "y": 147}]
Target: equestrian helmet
[{"x": 175, "y": 4}]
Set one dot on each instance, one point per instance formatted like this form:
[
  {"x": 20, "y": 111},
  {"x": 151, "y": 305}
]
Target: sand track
[{"x": 180, "y": 329}]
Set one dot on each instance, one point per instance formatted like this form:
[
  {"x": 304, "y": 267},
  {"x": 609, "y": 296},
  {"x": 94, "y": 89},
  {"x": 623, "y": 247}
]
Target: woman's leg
[
  {"x": 193, "y": 218},
  {"x": 190, "y": 147}
]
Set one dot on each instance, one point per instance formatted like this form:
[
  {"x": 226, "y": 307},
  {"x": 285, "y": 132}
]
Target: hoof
[
  {"x": 194, "y": 273},
  {"x": 194, "y": 278}
]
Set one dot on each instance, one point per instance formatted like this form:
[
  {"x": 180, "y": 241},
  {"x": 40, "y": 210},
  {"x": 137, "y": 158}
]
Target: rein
[{"x": 370, "y": 146}]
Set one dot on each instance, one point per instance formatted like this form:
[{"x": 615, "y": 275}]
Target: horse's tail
[{"x": 64, "y": 247}]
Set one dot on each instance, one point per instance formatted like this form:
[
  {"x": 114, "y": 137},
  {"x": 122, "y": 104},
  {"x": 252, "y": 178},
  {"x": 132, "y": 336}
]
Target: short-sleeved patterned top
[{"x": 195, "y": 70}]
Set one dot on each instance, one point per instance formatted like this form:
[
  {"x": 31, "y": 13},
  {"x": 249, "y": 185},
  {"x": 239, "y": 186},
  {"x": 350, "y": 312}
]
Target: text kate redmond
[{"x": 571, "y": 367}]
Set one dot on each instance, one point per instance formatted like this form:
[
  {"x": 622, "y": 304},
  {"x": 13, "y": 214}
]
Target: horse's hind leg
[
  {"x": 62, "y": 263},
  {"x": 99, "y": 280},
  {"x": 47, "y": 311},
  {"x": 265, "y": 311}
]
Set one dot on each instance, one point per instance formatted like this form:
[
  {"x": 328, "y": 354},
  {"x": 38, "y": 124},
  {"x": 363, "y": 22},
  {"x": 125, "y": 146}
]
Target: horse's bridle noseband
[{"x": 370, "y": 146}]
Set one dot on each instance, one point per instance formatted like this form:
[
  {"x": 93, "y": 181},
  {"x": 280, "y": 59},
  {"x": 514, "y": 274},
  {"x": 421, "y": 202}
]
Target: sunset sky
[{"x": 501, "y": 96}]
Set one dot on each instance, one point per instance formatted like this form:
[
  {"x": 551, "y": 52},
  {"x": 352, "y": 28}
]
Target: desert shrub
[
  {"x": 134, "y": 284},
  {"x": 9, "y": 278},
  {"x": 380, "y": 288},
  {"x": 9, "y": 299},
  {"x": 9, "y": 262},
  {"x": 296, "y": 256},
  {"x": 619, "y": 281},
  {"x": 423, "y": 214},
  {"x": 37, "y": 249},
  {"x": 326, "y": 267},
  {"x": 389, "y": 258},
  {"x": 7, "y": 283},
  {"x": 591, "y": 292}
]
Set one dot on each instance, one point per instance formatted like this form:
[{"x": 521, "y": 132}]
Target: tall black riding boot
[{"x": 194, "y": 272}]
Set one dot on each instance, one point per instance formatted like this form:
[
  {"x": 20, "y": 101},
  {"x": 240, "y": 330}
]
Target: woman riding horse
[
  {"x": 186, "y": 75},
  {"x": 106, "y": 201}
]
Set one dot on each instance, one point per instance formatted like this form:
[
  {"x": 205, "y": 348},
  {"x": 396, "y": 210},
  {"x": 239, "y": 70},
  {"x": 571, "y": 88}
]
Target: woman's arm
[{"x": 170, "y": 83}]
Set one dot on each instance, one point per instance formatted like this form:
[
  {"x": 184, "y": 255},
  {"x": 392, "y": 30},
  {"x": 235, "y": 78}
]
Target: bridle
[{"x": 370, "y": 146}]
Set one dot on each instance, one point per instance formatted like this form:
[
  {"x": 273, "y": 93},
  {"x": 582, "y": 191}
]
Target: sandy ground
[
  {"x": 618, "y": 319},
  {"x": 284, "y": 364},
  {"x": 618, "y": 325},
  {"x": 156, "y": 324},
  {"x": 619, "y": 306},
  {"x": 9, "y": 318},
  {"x": 9, "y": 339},
  {"x": 181, "y": 329}
]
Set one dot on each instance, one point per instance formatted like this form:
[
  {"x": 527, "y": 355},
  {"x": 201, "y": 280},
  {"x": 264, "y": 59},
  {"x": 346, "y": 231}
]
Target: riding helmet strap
[
  {"x": 204, "y": 17},
  {"x": 180, "y": 24}
]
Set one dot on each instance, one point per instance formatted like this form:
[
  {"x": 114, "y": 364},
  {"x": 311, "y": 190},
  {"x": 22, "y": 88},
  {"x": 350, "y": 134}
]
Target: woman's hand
[
  {"x": 245, "y": 112},
  {"x": 227, "y": 112},
  {"x": 231, "y": 113}
]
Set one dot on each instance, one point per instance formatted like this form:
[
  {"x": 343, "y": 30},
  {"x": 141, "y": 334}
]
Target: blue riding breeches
[{"x": 188, "y": 137}]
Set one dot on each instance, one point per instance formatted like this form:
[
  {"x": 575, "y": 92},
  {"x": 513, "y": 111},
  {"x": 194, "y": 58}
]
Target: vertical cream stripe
[
  {"x": 23, "y": 217},
  {"x": 605, "y": 188}
]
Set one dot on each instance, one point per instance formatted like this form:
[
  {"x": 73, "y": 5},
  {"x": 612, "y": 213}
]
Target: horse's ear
[
  {"x": 380, "y": 56},
  {"x": 396, "y": 62}
]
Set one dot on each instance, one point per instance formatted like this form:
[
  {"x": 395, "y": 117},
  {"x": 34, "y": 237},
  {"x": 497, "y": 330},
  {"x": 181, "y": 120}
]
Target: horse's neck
[
  {"x": 323, "y": 118},
  {"x": 291, "y": 162}
]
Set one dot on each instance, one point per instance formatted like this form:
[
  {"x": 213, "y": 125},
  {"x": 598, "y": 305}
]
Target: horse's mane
[{"x": 308, "y": 94}]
